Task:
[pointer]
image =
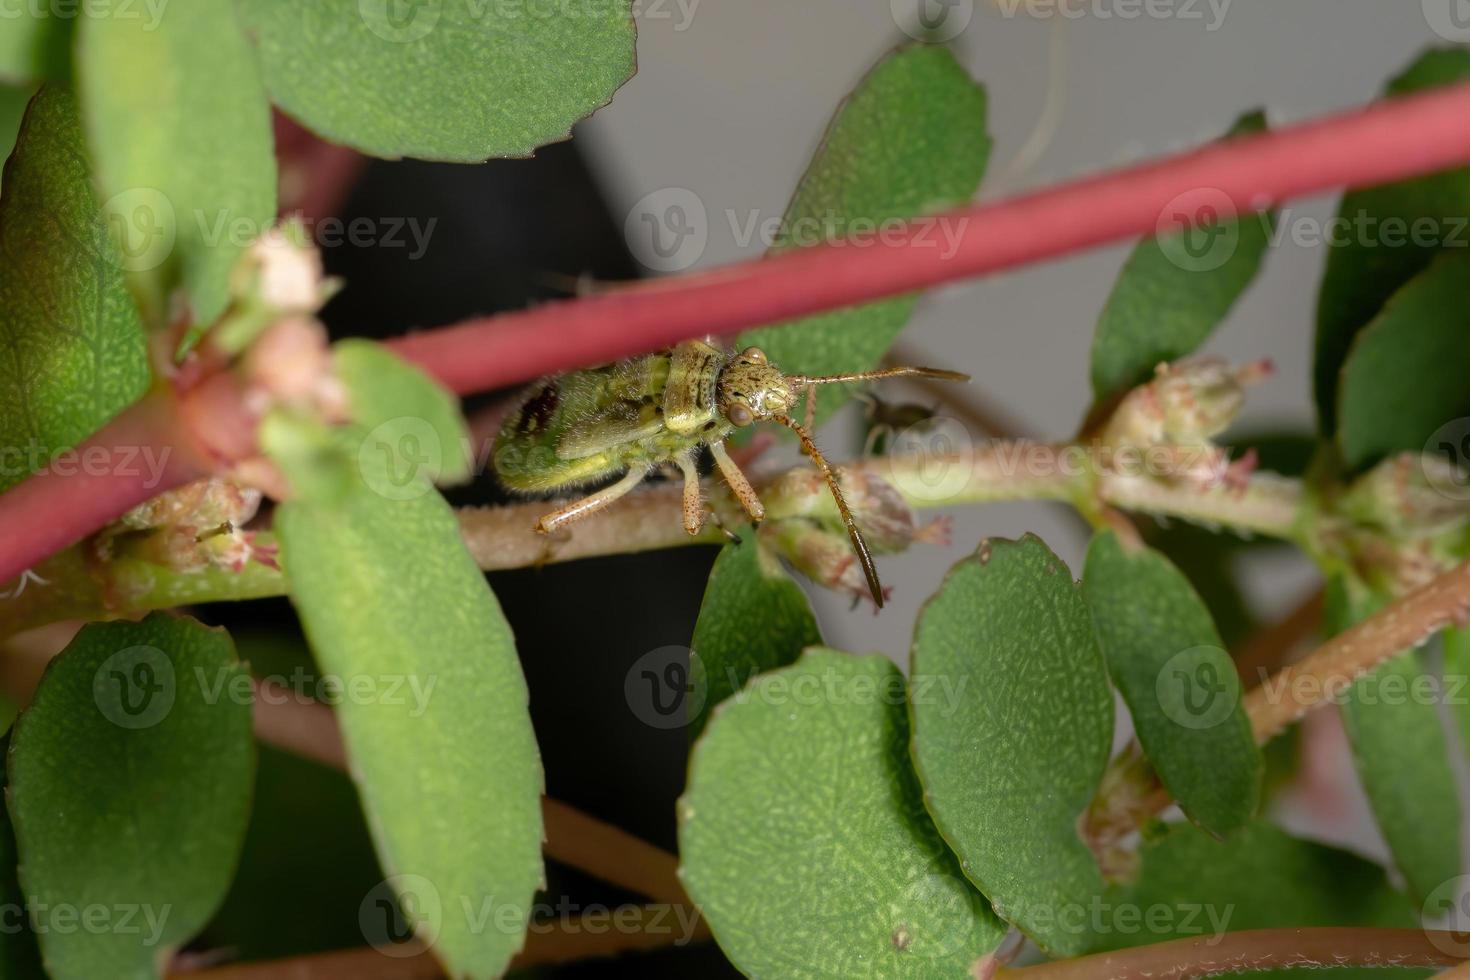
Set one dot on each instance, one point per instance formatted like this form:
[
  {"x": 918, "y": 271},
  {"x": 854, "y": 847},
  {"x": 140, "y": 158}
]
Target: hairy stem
[
  {"x": 649, "y": 519},
  {"x": 1384, "y": 142},
  {"x": 1257, "y": 949},
  {"x": 1324, "y": 675}
]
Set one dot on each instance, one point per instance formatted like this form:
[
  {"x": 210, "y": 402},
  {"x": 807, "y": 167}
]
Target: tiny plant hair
[{"x": 638, "y": 414}]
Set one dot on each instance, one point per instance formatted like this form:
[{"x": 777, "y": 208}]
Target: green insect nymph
[{"x": 573, "y": 429}]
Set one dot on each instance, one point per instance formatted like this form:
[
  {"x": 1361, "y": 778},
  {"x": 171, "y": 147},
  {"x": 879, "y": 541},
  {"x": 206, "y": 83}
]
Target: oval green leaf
[
  {"x": 754, "y": 618},
  {"x": 180, "y": 129},
  {"x": 1010, "y": 767},
  {"x": 1377, "y": 249},
  {"x": 449, "y": 772},
  {"x": 1402, "y": 754},
  {"x": 908, "y": 142},
  {"x": 1165, "y": 655},
  {"x": 130, "y": 782},
  {"x": 407, "y": 414},
  {"x": 1173, "y": 293},
  {"x": 458, "y": 80},
  {"x": 77, "y": 355},
  {"x": 1406, "y": 374},
  {"x": 847, "y": 877}
]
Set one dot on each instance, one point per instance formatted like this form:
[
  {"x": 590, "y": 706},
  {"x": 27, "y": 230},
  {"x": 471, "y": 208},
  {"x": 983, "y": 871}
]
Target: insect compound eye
[
  {"x": 754, "y": 354},
  {"x": 741, "y": 414}
]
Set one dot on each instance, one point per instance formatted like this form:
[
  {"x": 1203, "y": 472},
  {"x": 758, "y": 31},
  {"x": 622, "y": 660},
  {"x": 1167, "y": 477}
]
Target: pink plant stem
[
  {"x": 135, "y": 457},
  {"x": 1384, "y": 142}
]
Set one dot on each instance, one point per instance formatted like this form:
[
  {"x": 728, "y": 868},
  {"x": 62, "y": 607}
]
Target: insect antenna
[
  {"x": 893, "y": 372},
  {"x": 858, "y": 544}
]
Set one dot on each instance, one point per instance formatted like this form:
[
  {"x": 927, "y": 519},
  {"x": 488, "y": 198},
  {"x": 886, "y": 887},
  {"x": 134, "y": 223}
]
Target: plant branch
[
  {"x": 649, "y": 519},
  {"x": 1256, "y": 949},
  {"x": 1387, "y": 141},
  {"x": 310, "y": 730},
  {"x": 625, "y": 929},
  {"x": 135, "y": 457},
  {"x": 1325, "y": 674}
]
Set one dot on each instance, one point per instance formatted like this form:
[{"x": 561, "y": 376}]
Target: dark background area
[{"x": 508, "y": 234}]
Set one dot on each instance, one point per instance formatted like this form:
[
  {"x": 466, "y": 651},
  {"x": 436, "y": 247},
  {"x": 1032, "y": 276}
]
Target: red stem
[
  {"x": 1387, "y": 141},
  {"x": 135, "y": 457}
]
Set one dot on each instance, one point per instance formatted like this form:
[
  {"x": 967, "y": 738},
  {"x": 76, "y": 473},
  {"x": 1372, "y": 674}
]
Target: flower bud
[{"x": 1401, "y": 495}]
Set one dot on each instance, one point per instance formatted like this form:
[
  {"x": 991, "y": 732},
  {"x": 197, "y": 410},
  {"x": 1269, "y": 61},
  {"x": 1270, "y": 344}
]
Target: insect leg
[
  {"x": 743, "y": 490},
  {"x": 579, "y": 509},
  {"x": 693, "y": 499}
]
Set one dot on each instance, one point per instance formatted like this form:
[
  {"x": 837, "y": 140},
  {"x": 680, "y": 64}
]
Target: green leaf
[
  {"x": 407, "y": 413},
  {"x": 20, "y": 956},
  {"x": 1170, "y": 665},
  {"x": 754, "y": 618},
  {"x": 130, "y": 782},
  {"x": 1375, "y": 252},
  {"x": 847, "y": 876},
  {"x": 1009, "y": 769},
  {"x": 1457, "y": 679},
  {"x": 306, "y": 866},
  {"x": 450, "y": 776},
  {"x": 910, "y": 141},
  {"x": 76, "y": 353},
  {"x": 1405, "y": 376},
  {"x": 459, "y": 80},
  {"x": 35, "y": 44},
  {"x": 1169, "y": 299},
  {"x": 180, "y": 129},
  {"x": 1402, "y": 755},
  {"x": 1191, "y": 886}
]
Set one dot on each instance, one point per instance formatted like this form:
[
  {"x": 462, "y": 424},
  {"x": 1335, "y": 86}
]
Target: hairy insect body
[
  {"x": 640, "y": 413},
  {"x": 581, "y": 427}
]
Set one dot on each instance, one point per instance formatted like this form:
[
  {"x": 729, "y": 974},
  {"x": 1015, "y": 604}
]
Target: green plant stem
[
  {"x": 1256, "y": 949},
  {"x": 79, "y": 587}
]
